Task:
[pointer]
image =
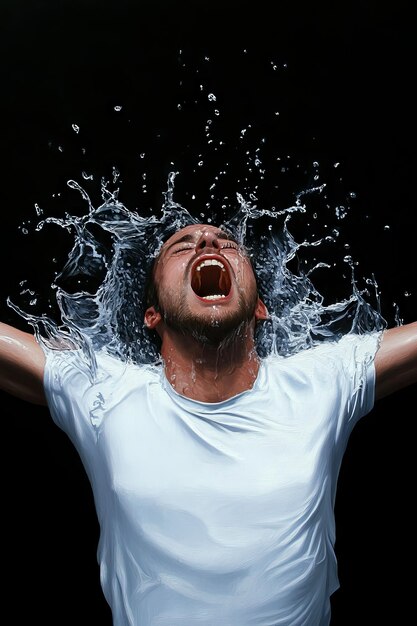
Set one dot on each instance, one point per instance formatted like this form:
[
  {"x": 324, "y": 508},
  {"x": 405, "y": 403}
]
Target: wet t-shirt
[{"x": 216, "y": 514}]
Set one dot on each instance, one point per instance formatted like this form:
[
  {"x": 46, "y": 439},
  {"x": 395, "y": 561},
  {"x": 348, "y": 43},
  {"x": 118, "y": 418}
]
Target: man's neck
[{"x": 210, "y": 373}]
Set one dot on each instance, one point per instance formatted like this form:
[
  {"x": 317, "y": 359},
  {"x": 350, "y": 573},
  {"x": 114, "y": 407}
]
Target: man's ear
[
  {"x": 152, "y": 318},
  {"x": 261, "y": 312}
]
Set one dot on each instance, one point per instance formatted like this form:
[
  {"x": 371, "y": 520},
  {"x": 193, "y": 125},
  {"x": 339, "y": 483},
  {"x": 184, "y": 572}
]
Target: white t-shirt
[{"x": 216, "y": 514}]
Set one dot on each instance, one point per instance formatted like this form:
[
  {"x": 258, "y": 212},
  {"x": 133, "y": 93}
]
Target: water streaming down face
[{"x": 111, "y": 316}]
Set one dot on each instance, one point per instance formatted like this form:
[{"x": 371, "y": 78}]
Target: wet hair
[{"x": 151, "y": 291}]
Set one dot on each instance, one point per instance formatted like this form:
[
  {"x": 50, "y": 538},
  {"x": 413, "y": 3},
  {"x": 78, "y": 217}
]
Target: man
[{"x": 214, "y": 475}]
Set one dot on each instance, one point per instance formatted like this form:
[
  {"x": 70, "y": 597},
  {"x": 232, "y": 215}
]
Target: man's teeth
[
  {"x": 210, "y": 262},
  {"x": 222, "y": 281},
  {"x": 214, "y": 297}
]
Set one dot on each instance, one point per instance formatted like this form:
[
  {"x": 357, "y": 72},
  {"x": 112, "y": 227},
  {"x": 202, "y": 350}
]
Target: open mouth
[{"x": 211, "y": 280}]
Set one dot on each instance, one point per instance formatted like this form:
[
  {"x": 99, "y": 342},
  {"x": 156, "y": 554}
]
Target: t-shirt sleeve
[
  {"x": 354, "y": 381},
  {"x": 358, "y": 356},
  {"x": 68, "y": 389}
]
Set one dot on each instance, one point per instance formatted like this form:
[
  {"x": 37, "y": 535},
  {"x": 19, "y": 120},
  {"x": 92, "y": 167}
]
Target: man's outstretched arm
[
  {"x": 22, "y": 363},
  {"x": 396, "y": 359}
]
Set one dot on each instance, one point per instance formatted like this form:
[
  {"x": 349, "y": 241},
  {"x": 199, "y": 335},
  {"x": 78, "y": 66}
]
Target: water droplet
[
  {"x": 76, "y": 128},
  {"x": 117, "y": 108}
]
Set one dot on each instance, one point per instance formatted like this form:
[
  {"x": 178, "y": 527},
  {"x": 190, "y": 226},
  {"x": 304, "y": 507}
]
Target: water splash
[{"x": 113, "y": 252}]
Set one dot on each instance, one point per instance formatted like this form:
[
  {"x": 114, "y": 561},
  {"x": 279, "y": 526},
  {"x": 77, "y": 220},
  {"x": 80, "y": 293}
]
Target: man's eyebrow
[
  {"x": 184, "y": 238},
  {"x": 220, "y": 234}
]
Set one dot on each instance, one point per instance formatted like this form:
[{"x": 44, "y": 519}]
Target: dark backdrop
[{"x": 341, "y": 77}]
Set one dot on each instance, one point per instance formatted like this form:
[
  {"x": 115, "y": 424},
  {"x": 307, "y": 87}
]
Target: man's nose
[{"x": 207, "y": 240}]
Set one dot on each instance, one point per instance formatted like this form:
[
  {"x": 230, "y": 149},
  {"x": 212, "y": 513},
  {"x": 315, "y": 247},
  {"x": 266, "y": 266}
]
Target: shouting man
[{"x": 214, "y": 474}]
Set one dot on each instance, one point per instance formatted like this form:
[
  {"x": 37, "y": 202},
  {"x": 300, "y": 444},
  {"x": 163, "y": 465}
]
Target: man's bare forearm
[
  {"x": 22, "y": 363},
  {"x": 396, "y": 360}
]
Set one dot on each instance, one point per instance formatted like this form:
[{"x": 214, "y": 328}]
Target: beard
[{"x": 209, "y": 328}]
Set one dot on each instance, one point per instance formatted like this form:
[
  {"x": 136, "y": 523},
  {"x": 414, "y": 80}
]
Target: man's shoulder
[
  {"x": 97, "y": 365},
  {"x": 361, "y": 346}
]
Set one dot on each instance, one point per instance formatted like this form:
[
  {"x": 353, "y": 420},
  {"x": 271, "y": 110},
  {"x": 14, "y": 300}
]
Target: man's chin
[
  {"x": 212, "y": 326},
  {"x": 214, "y": 332}
]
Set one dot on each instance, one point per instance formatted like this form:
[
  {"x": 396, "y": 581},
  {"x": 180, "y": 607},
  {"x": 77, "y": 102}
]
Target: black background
[{"x": 343, "y": 86}]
